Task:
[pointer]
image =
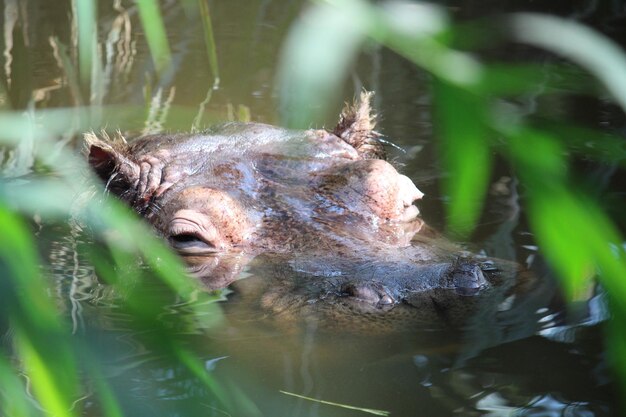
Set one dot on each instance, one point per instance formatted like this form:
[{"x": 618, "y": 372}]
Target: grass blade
[
  {"x": 12, "y": 394},
  {"x": 209, "y": 41},
  {"x": 41, "y": 343},
  {"x": 465, "y": 152},
  {"x": 588, "y": 48},
  {"x": 315, "y": 61},
  {"x": 85, "y": 18},
  {"x": 349, "y": 407},
  {"x": 154, "y": 29},
  {"x": 44, "y": 378}
]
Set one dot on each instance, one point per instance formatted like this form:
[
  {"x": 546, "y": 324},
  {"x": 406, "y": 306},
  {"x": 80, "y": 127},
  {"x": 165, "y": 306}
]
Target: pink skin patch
[{"x": 212, "y": 217}]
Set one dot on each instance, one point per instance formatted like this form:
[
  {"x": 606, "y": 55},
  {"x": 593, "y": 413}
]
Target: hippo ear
[
  {"x": 356, "y": 127},
  {"x": 109, "y": 160}
]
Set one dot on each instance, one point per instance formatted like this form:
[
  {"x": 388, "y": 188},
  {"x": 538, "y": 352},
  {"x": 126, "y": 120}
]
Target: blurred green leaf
[
  {"x": 577, "y": 237},
  {"x": 127, "y": 253},
  {"x": 323, "y": 44},
  {"x": 73, "y": 79},
  {"x": 579, "y": 43},
  {"x": 559, "y": 222},
  {"x": 39, "y": 335},
  {"x": 574, "y": 233},
  {"x": 588, "y": 143},
  {"x": 13, "y": 400},
  {"x": 539, "y": 79},
  {"x": 230, "y": 396},
  {"x": 315, "y": 61},
  {"x": 209, "y": 40},
  {"x": 537, "y": 154},
  {"x": 425, "y": 50},
  {"x": 616, "y": 345},
  {"x": 85, "y": 18},
  {"x": 47, "y": 382},
  {"x": 465, "y": 152},
  {"x": 27, "y": 296},
  {"x": 108, "y": 400},
  {"x": 154, "y": 29},
  {"x": 4, "y": 96},
  {"x": 191, "y": 361},
  {"x": 128, "y": 239},
  {"x": 136, "y": 235}
]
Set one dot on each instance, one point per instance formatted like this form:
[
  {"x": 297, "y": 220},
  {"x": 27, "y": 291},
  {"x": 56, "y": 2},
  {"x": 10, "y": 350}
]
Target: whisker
[
  {"x": 386, "y": 142},
  {"x": 109, "y": 181},
  {"x": 155, "y": 207}
]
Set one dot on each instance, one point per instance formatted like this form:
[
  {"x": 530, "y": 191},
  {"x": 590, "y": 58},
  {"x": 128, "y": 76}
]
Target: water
[{"x": 524, "y": 355}]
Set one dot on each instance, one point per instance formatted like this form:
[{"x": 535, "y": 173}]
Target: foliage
[
  {"x": 39, "y": 181},
  {"x": 475, "y": 115},
  {"x": 574, "y": 232}
]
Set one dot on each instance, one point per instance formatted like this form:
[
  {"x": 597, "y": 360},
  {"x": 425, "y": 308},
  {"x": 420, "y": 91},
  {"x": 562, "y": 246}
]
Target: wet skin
[{"x": 324, "y": 209}]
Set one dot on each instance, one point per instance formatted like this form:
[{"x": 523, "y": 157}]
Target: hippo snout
[{"x": 372, "y": 293}]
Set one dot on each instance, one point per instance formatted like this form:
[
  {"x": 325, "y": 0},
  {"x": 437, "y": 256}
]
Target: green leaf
[
  {"x": 154, "y": 29},
  {"x": 13, "y": 400},
  {"x": 572, "y": 230},
  {"x": 47, "y": 382},
  {"x": 209, "y": 40},
  {"x": 108, "y": 400},
  {"x": 316, "y": 58},
  {"x": 86, "y": 22},
  {"x": 39, "y": 335},
  {"x": 597, "y": 53},
  {"x": 463, "y": 143}
]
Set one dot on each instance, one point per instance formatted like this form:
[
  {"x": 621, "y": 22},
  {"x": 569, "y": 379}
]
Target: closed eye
[
  {"x": 184, "y": 238},
  {"x": 190, "y": 243}
]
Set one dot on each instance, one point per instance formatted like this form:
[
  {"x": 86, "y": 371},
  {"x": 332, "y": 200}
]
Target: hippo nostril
[
  {"x": 350, "y": 290},
  {"x": 371, "y": 293},
  {"x": 468, "y": 278},
  {"x": 385, "y": 300}
]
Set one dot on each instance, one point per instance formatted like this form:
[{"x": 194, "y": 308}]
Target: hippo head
[
  {"x": 255, "y": 187},
  {"x": 317, "y": 214}
]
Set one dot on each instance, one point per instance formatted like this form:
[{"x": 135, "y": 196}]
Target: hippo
[{"x": 333, "y": 222}]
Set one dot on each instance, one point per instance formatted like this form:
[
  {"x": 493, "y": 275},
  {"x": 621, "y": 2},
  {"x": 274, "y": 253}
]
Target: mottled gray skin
[{"x": 325, "y": 206}]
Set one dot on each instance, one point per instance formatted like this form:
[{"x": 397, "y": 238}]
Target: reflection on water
[{"x": 516, "y": 354}]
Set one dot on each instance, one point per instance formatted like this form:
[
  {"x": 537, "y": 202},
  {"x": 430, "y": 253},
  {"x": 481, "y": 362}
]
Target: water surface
[{"x": 526, "y": 356}]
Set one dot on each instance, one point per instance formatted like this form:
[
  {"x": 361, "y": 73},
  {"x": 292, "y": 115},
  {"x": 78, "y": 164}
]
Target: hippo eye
[
  {"x": 185, "y": 238},
  {"x": 189, "y": 243}
]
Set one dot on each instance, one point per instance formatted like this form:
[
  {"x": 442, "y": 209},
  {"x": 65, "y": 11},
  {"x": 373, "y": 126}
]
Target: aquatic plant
[
  {"x": 48, "y": 347},
  {"x": 478, "y": 117}
]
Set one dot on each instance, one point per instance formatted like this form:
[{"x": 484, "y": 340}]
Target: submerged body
[{"x": 325, "y": 206}]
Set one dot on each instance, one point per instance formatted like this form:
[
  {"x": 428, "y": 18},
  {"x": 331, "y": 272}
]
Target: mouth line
[
  {"x": 409, "y": 214},
  {"x": 189, "y": 237},
  {"x": 195, "y": 251}
]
